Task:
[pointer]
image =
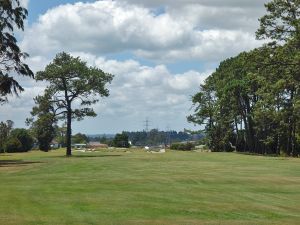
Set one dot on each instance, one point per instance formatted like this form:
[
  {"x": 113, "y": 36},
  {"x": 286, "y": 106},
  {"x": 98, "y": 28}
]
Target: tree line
[
  {"x": 142, "y": 138},
  {"x": 156, "y": 137},
  {"x": 251, "y": 102},
  {"x": 23, "y": 140}
]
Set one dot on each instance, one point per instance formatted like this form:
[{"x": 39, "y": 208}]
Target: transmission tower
[{"x": 147, "y": 124}]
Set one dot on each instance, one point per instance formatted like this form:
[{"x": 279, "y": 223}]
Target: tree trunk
[
  {"x": 245, "y": 110},
  {"x": 294, "y": 153},
  {"x": 291, "y": 125},
  {"x": 237, "y": 140},
  {"x": 251, "y": 132},
  {"x": 278, "y": 145},
  {"x": 69, "y": 132}
]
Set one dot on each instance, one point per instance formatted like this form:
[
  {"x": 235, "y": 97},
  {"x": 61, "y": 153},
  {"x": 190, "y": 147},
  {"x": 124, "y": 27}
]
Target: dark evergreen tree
[
  {"x": 12, "y": 17},
  {"x": 70, "y": 80}
]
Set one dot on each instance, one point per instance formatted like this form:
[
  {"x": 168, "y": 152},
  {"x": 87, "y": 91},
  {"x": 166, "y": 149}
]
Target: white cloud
[
  {"x": 18, "y": 108},
  {"x": 212, "y": 3},
  {"x": 136, "y": 92},
  {"x": 195, "y": 31},
  {"x": 139, "y": 91},
  {"x": 213, "y": 46},
  {"x": 24, "y": 3}
]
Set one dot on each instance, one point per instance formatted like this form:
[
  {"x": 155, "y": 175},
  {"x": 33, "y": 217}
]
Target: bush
[
  {"x": 183, "y": 146},
  {"x": 121, "y": 141},
  {"x": 13, "y": 145},
  {"x": 23, "y": 136}
]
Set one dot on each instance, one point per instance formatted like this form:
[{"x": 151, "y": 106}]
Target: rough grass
[{"x": 119, "y": 188}]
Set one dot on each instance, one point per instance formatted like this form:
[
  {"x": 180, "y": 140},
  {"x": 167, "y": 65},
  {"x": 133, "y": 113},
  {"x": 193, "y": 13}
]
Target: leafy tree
[
  {"x": 282, "y": 21},
  {"x": 257, "y": 94},
  {"x": 5, "y": 129},
  {"x": 24, "y": 137},
  {"x": 80, "y": 139},
  {"x": 73, "y": 83},
  {"x": 182, "y": 146},
  {"x": 12, "y": 17},
  {"x": 156, "y": 137},
  {"x": 121, "y": 141},
  {"x": 61, "y": 135},
  {"x": 43, "y": 121},
  {"x": 282, "y": 24},
  {"x": 103, "y": 139},
  {"x": 13, "y": 145}
]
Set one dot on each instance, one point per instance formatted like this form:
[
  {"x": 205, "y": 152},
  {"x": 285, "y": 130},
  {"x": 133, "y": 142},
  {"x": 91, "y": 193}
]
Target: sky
[{"x": 159, "y": 52}]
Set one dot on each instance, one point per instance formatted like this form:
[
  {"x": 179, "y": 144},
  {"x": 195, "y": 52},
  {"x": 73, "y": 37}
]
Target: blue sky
[
  {"x": 39, "y": 7},
  {"x": 159, "y": 51}
]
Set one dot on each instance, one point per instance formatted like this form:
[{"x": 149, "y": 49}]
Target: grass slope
[{"x": 121, "y": 188}]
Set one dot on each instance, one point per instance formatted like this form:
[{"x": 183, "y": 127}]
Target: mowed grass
[{"x": 122, "y": 188}]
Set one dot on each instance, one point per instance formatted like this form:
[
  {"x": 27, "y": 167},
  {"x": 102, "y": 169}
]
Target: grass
[{"x": 119, "y": 188}]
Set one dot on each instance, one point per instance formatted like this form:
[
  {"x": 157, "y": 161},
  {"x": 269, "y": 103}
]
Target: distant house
[
  {"x": 54, "y": 145},
  {"x": 79, "y": 146},
  {"x": 94, "y": 145}
]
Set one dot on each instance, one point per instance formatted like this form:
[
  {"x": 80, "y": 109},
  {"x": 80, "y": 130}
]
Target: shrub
[
  {"x": 121, "y": 141},
  {"x": 183, "y": 146},
  {"x": 13, "y": 145},
  {"x": 24, "y": 138}
]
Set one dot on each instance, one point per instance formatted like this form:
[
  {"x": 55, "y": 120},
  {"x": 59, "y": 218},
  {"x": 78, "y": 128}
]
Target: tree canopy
[
  {"x": 80, "y": 138},
  {"x": 12, "y": 16},
  {"x": 73, "y": 87},
  {"x": 121, "y": 141},
  {"x": 251, "y": 103},
  {"x": 43, "y": 121},
  {"x": 19, "y": 140},
  {"x": 5, "y": 129}
]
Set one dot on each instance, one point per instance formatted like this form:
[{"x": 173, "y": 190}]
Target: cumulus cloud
[
  {"x": 139, "y": 91},
  {"x": 18, "y": 108},
  {"x": 136, "y": 92},
  {"x": 24, "y": 3},
  {"x": 214, "y": 3},
  {"x": 230, "y": 14},
  {"x": 213, "y": 45},
  {"x": 196, "y": 31}
]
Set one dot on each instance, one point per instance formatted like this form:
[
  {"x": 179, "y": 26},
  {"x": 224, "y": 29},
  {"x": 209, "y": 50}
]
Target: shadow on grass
[
  {"x": 274, "y": 156},
  {"x": 85, "y": 156},
  {"x": 94, "y": 156},
  {"x": 14, "y": 163}
]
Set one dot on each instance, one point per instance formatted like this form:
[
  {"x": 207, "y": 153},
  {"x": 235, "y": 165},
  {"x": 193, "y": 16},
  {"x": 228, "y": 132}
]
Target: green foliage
[
  {"x": 13, "y": 145},
  {"x": 80, "y": 139},
  {"x": 103, "y": 140},
  {"x": 5, "y": 129},
  {"x": 155, "y": 137},
  {"x": 251, "y": 102},
  {"x": 45, "y": 132},
  {"x": 281, "y": 21},
  {"x": 70, "y": 80},
  {"x": 61, "y": 135},
  {"x": 24, "y": 137},
  {"x": 43, "y": 121},
  {"x": 182, "y": 146},
  {"x": 12, "y": 17},
  {"x": 121, "y": 141}
]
